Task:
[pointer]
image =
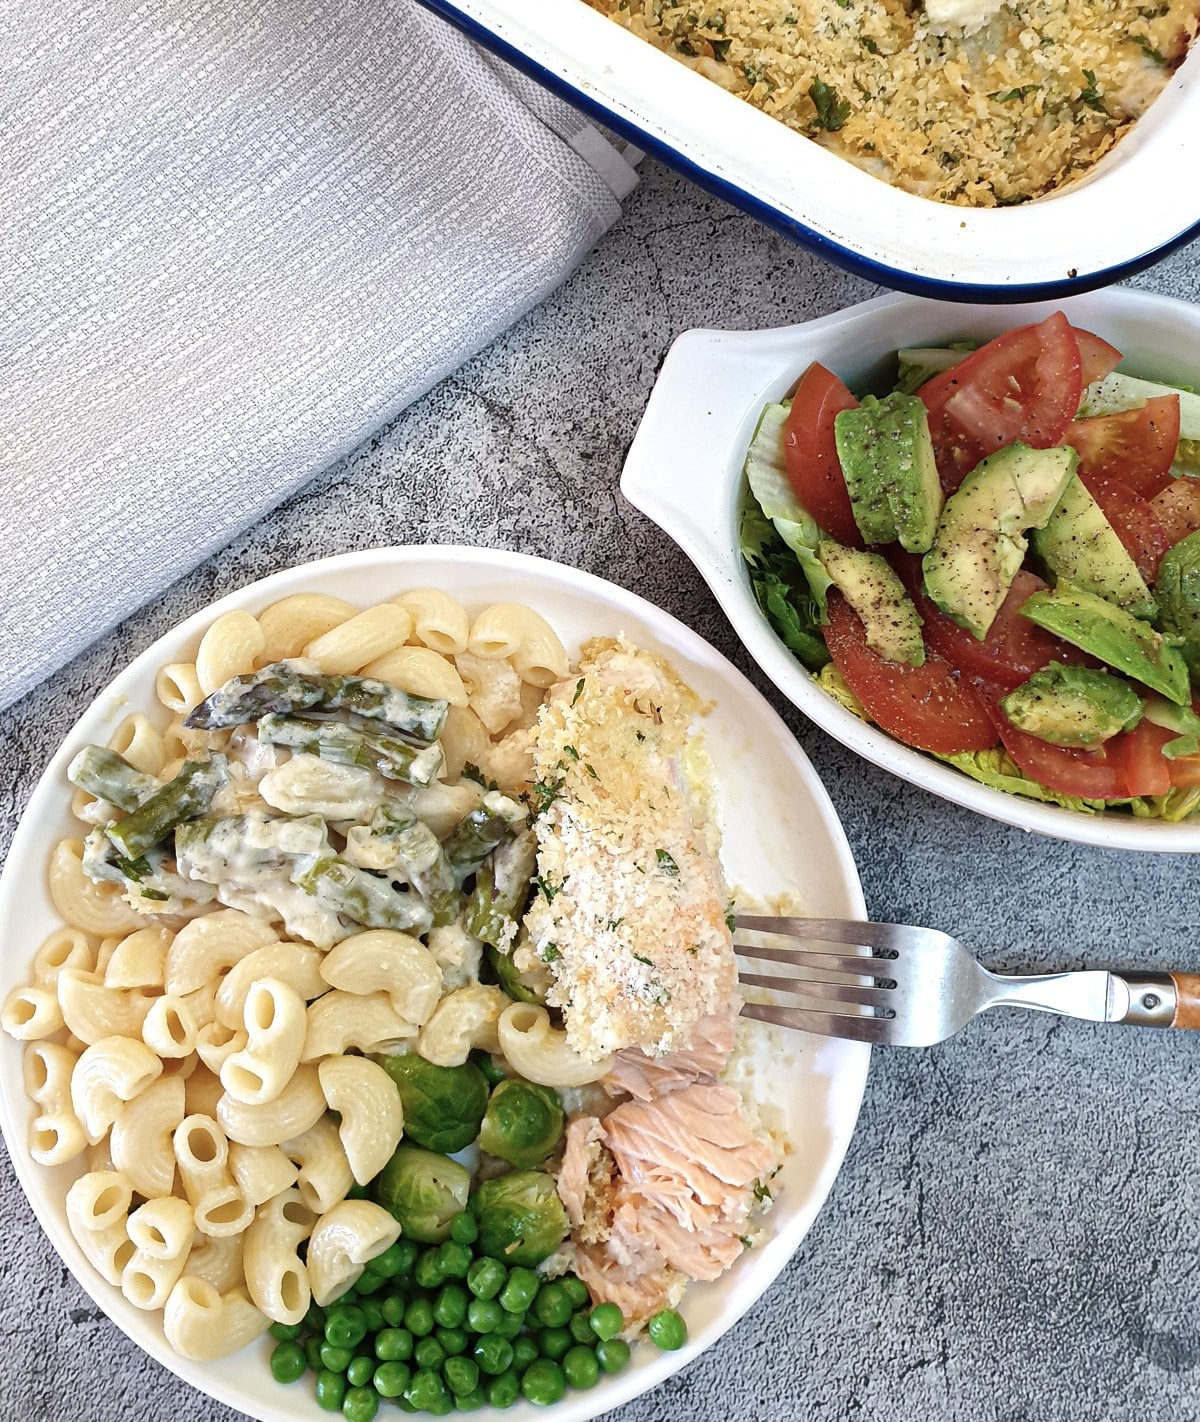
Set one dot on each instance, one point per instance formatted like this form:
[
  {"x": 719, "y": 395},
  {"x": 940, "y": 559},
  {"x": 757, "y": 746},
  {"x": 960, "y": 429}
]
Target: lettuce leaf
[
  {"x": 1177, "y": 804},
  {"x": 998, "y": 769},
  {"x": 781, "y": 588}
]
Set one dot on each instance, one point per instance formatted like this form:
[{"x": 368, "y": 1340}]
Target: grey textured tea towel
[{"x": 236, "y": 237}]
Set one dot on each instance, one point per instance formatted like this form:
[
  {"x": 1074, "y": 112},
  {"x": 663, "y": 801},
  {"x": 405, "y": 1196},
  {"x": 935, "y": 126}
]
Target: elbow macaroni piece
[
  {"x": 439, "y": 621},
  {"x": 217, "y": 1261},
  {"x": 493, "y": 690},
  {"x": 143, "y": 1131},
  {"x": 421, "y": 672},
  {"x": 464, "y": 1020},
  {"x": 215, "y": 1043},
  {"x": 465, "y": 741},
  {"x": 178, "y": 689},
  {"x": 202, "y": 1154},
  {"x": 540, "y": 1053},
  {"x": 170, "y": 1029},
  {"x": 56, "y": 1135},
  {"x": 109, "y": 1073},
  {"x": 210, "y": 946},
  {"x": 343, "y": 1242},
  {"x": 139, "y": 743},
  {"x": 288, "y": 626},
  {"x": 300, "y": 1105},
  {"x": 161, "y": 1232},
  {"x": 325, "y": 1176},
  {"x": 138, "y": 960},
  {"x": 31, "y": 1013},
  {"x": 93, "y": 1011},
  {"x": 204, "y": 1325},
  {"x": 512, "y": 630},
  {"x": 308, "y": 785},
  {"x": 295, "y": 964},
  {"x": 364, "y": 637},
  {"x": 383, "y": 960},
  {"x": 275, "y": 1029},
  {"x": 65, "y": 948},
  {"x": 261, "y": 1172},
  {"x": 97, "y": 1214},
  {"x": 276, "y": 1278},
  {"x": 341, "y": 1020},
  {"x": 230, "y": 647},
  {"x": 372, "y": 1118},
  {"x": 98, "y": 908}
]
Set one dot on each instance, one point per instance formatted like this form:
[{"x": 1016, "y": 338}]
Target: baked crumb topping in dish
[{"x": 962, "y": 101}]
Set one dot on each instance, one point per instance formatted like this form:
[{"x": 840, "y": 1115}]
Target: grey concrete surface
[{"x": 1014, "y": 1236}]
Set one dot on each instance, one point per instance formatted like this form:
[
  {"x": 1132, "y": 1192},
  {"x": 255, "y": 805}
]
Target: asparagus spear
[
  {"x": 188, "y": 795},
  {"x": 361, "y": 896},
  {"x": 422, "y": 861},
  {"x": 475, "y": 836},
  {"x": 501, "y": 888},
  {"x": 284, "y": 689},
  {"x": 109, "y": 776},
  {"x": 334, "y": 740}
]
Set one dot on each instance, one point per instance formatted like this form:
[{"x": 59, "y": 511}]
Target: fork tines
[{"x": 853, "y": 1003}]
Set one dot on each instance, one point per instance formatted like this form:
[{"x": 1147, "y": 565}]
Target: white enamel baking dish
[
  {"x": 1139, "y": 203},
  {"x": 684, "y": 470}
]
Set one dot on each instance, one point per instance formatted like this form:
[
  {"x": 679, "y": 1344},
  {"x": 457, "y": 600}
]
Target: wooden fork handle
[{"x": 1187, "y": 1001}]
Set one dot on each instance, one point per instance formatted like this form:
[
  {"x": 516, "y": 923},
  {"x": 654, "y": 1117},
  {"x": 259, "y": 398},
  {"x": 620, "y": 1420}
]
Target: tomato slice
[
  {"x": 1137, "y": 446},
  {"x": 1134, "y": 521},
  {"x": 1184, "y": 772},
  {"x": 1139, "y": 753},
  {"x": 1177, "y": 508},
  {"x": 928, "y": 707},
  {"x": 810, "y": 450},
  {"x": 1024, "y": 385},
  {"x": 1014, "y": 647},
  {"x": 1086, "y": 774},
  {"x": 1097, "y": 357}
]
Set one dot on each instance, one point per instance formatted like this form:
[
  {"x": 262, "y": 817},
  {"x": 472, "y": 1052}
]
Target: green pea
[
  {"x": 314, "y": 1319},
  {"x": 391, "y": 1378},
  {"x": 360, "y": 1404},
  {"x": 454, "y": 1258},
  {"x": 525, "y": 1350},
  {"x": 486, "y": 1277},
  {"x": 483, "y": 1315},
  {"x": 288, "y": 1362},
  {"x": 607, "y": 1320},
  {"x": 286, "y": 1332},
  {"x": 543, "y": 1382},
  {"x": 372, "y": 1315},
  {"x": 510, "y": 1324},
  {"x": 553, "y": 1343},
  {"x": 369, "y": 1282},
  {"x": 453, "y": 1340},
  {"x": 428, "y": 1272},
  {"x": 345, "y": 1326},
  {"x": 392, "y": 1261},
  {"x": 494, "y": 1355},
  {"x": 335, "y": 1359},
  {"x": 581, "y": 1368},
  {"x": 361, "y": 1370},
  {"x": 312, "y": 1352},
  {"x": 450, "y": 1305},
  {"x": 580, "y": 1328},
  {"x": 577, "y": 1290},
  {"x": 504, "y": 1390},
  {"x": 667, "y": 1330},
  {"x": 408, "y": 1251},
  {"x": 425, "y": 1390},
  {"x": 418, "y": 1317},
  {"x": 520, "y": 1290},
  {"x": 394, "y": 1345},
  {"x": 463, "y": 1229},
  {"x": 462, "y": 1375},
  {"x": 330, "y": 1390},
  {"x": 470, "y": 1401},
  {"x": 442, "y": 1405},
  {"x": 392, "y": 1309},
  {"x": 612, "y": 1354},
  {"x": 429, "y": 1353},
  {"x": 493, "y": 1073},
  {"x": 552, "y": 1306}
]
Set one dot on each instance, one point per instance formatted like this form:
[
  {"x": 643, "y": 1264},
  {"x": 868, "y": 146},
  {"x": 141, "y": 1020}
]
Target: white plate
[
  {"x": 781, "y": 835},
  {"x": 684, "y": 470},
  {"x": 1130, "y": 209}
]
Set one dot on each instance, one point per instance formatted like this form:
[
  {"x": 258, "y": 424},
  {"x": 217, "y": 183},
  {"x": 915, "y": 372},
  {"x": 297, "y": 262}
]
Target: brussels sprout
[
  {"x": 424, "y": 1191},
  {"x": 523, "y": 1124},
  {"x": 521, "y": 1219},
  {"x": 443, "y": 1106}
]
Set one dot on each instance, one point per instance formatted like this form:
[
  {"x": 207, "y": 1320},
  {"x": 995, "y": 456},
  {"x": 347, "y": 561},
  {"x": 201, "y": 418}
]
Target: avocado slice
[
  {"x": 1113, "y": 635},
  {"x": 1073, "y": 706},
  {"x": 1178, "y": 594},
  {"x": 980, "y": 543},
  {"x": 868, "y": 583},
  {"x": 1079, "y": 545},
  {"x": 887, "y": 459}
]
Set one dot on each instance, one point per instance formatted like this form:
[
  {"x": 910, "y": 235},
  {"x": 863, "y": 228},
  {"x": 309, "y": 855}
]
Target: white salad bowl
[
  {"x": 781, "y": 837},
  {"x": 684, "y": 470},
  {"x": 1130, "y": 209}
]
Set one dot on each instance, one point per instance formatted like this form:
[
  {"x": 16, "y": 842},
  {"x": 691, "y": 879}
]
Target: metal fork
[{"x": 912, "y": 987}]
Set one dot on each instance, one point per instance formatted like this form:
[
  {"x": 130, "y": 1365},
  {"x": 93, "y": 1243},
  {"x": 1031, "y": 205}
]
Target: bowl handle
[{"x": 683, "y": 469}]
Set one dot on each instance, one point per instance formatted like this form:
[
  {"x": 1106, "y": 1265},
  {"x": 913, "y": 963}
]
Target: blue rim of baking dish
[{"x": 820, "y": 246}]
